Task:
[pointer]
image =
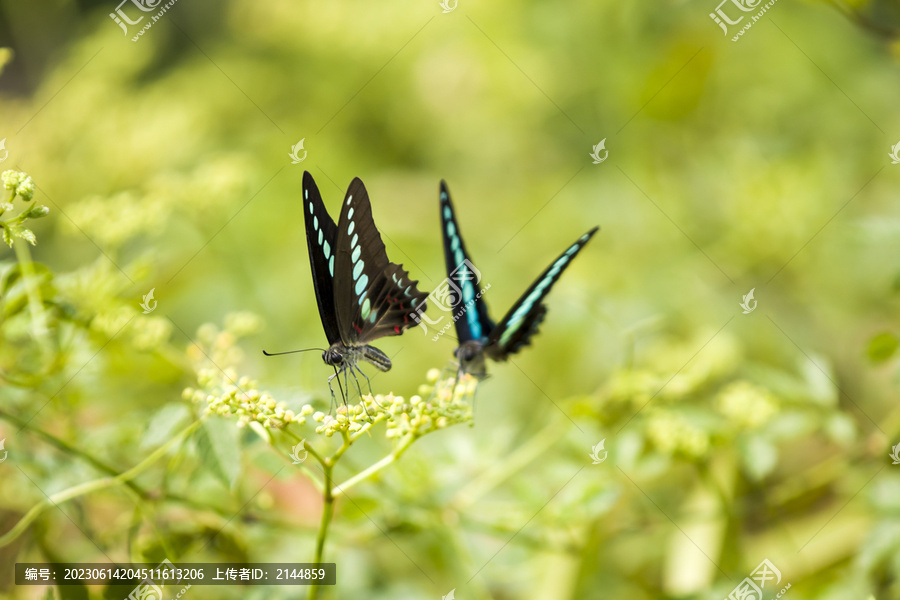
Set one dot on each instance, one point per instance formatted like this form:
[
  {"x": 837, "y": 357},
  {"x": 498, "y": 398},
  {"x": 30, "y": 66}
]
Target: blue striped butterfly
[
  {"x": 479, "y": 336},
  {"x": 362, "y": 296}
]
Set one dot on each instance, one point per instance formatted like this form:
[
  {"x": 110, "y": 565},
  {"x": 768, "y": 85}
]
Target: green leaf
[
  {"x": 12, "y": 272},
  {"x": 217, "y": 442},
  {"x": 841, "y": 429},
  {"x": 25, "y": 234},
  {"x": 359, "y": 508},
  {"x": 759, "y": 456},
  {"x": 883, "y": 346},
  {"x": 820, "y": 378},
  {"x": 164, "y": 424}
]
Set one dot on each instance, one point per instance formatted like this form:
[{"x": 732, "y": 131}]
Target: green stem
[
  {"x": 93, "y": 486},
  {"x": 505, "y": 468},
  {"x": 67, "y": 448},
  {"x": 327, "y": 514},
  {"x": 328, "y": 501},
  {"x": 381, "y": 464},
  {"x": 306, "y": 470},
  {"x": 136, "y": 492},
  {"x": 35, "y": 306},
  {"x": 311, "y": 450}
]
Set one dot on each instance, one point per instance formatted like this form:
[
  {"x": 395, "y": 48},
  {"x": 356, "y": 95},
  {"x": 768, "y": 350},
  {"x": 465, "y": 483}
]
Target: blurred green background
[{"x": 732, "y": 438}]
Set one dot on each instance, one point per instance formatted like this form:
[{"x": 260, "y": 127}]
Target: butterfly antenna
[{"x": 292, "y": 351}]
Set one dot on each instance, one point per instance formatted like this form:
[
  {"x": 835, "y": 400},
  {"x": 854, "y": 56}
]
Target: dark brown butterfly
[{"x": 362, "y": 296}]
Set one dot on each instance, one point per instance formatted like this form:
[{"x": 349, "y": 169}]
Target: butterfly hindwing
[
  {"x": 475, "y": 323},
  {"x": 516, "y": 329},
  {"x": 321, "y": 237},
  {"x": 373, "y": 296}
]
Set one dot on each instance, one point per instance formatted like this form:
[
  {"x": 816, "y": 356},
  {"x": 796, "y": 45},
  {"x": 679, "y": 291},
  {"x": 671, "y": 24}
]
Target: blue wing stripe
[
  {"x": 476, "y": 325},
  {"x": 531, "y": 300}
]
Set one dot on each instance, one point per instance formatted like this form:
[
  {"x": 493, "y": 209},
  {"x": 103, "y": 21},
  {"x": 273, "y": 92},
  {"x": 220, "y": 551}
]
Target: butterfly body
[
  {"x": 341, "y": 356},
  {"x": 479, "y": 336},
  {"x": 361, "y": 295},
  {"x": 470, "y": 356}
]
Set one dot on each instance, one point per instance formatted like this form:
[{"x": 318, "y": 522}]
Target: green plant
[{"x": 441, "y": 403}]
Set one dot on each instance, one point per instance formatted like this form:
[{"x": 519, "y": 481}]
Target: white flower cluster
[
  {"x": 440, "y": 404},
  {"x": 242, "y": 400}
]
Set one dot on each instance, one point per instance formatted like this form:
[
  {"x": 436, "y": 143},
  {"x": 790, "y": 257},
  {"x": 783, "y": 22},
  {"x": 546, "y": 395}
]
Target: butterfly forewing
[
  {"x": 474, "y": 323},
  {"x": 373, "y": 296},
  {"x": 521, "y": 322},
  {"x": 321, "y": 237}
]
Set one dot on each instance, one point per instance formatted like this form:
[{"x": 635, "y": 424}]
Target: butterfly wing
[
  {"x": 373, "y": 296},
  {"x": 521, "y": 322},
  {"x": 321, "y": 237},
  {"x": 462, "y": 278}
]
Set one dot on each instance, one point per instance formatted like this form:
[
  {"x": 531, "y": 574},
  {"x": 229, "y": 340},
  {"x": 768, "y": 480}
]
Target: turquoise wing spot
[
  {"x": 468, "y": 291},
  {"x": 326, "y": 248},
  {"x": 331, "y": 266},
  {"x": 306, "y": 195},
  {"x": 363, "y": 297},
  {"x": 310, "y": 204},
  {"x": 413, "y": 303},
  {"x": 315, "y": 222},
  {"x": 365, "y": 310},
  {"x": 572, "y": 250},
  {"x": 454, "y": 245},
  {"x": 351, "y": 227},
  {"x": 350, "y": 214},
  {"x": 459, "y": 256},
  {"x": 451, "y": 229},
  {"x": 446, "y": 208},
  {"x": 361, "y": 284},
  {"x": 510, "y": 330},
  {"x": 557, "y": 267},
  {"x": 320, "y": 237},
  {"x": 373, "y": 316},
  {"x": 356, "y": 252},
  {"x": 474, "y": 323},
  {"x": 349, "y": 198},
  {"x": 353, "y": 241},
  {"x": 357, "y": 270},
  {"x": 529, "y": 302}
]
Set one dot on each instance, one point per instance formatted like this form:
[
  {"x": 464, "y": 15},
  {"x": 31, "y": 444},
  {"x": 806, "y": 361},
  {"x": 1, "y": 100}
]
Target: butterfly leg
[
  {"x": 369, "y": 383},
  {"x": 346, "y": 382},
  {"x": 353, "y": 369},
  {"x": 343, "y": 396},
  {"x": 358, "y": 388}
]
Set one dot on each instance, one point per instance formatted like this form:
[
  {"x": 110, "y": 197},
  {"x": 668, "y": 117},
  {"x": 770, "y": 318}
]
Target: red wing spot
[{"x": 396, "y": 329}]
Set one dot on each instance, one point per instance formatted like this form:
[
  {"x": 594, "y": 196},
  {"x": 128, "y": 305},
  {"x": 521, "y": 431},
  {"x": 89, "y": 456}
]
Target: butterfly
[
  {"x": 362, "y": 296},
  {"x": 479, "y": 336}
]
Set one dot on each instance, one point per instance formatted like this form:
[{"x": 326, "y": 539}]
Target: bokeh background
[{"x": 759, "y": 164}]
